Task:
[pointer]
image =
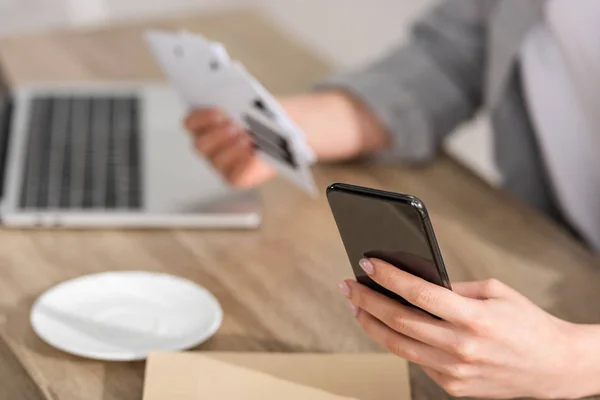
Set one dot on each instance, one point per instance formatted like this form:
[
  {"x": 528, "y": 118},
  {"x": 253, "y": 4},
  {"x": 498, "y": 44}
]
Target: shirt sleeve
[{"x": 422, "y": 90}]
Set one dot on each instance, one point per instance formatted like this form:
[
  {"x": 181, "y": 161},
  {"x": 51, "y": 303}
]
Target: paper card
[
  {"x": 201, "y": 72},
  {"x": 232, "y": 93}
]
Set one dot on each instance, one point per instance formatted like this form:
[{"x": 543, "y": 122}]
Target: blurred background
[{"x": 345, "y": 33}]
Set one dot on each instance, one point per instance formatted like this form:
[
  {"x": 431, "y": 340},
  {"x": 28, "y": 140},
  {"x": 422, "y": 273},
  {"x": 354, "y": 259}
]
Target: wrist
[
  {"x": 336, "y": 125},
  {"x": 581, "y": 370}
]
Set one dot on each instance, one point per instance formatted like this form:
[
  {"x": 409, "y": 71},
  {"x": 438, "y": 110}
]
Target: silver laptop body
[{"x": 111, "y": 155}]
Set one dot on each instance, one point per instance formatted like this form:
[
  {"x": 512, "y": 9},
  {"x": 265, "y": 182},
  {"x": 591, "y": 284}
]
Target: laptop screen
[{"x": 5, "y": 116}]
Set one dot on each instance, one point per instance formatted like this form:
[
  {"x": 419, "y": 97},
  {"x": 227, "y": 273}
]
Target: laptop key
[
  {"x": 57, "y": 155},
  {"x": 120, "y": 179},
  {"x": 78, "y": 141},
  {"x": 36, "y": 113},
  {"x": 135, "y": 161},
  {"x": 37, "y": 135},
  {"x": 101, "y": 117}
]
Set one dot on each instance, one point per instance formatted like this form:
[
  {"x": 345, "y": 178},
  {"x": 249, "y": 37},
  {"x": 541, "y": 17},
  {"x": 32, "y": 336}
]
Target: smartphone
[{"x": 392, "y": 227}]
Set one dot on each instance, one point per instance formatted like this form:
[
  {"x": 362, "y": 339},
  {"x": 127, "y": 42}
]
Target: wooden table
[{"x": 277, "y": 285}]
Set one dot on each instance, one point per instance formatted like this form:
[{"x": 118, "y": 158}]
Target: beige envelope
[{"x": 264, "y": 376}]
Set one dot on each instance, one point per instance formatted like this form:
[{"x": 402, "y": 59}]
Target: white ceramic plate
[{"x": 122, "y": 316}]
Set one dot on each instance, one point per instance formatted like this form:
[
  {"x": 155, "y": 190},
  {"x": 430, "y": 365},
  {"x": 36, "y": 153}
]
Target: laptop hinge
[{"x": 6, "y": 113}]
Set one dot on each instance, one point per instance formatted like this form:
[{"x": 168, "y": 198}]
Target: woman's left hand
[{"x": 490, "y": 342}]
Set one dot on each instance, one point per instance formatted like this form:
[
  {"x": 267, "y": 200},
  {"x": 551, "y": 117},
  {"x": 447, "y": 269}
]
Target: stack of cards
[{"x": 204, "y": 75}]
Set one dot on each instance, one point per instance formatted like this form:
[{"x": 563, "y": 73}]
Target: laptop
[{"x": 108, "y": 155}]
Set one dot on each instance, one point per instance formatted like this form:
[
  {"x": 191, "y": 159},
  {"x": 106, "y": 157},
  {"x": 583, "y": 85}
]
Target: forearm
[{"x": 337, "y": 126}]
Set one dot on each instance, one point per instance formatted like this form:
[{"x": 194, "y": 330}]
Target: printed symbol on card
[
  {"x": 179, "y": 52},
  {"x": 267, "y": 140},
  {"x": 260, "y": 106},
  {"x": 214, "y": 65}
]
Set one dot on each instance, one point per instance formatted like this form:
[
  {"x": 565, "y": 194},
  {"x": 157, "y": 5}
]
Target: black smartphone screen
[{"x": 388, "y": 226}]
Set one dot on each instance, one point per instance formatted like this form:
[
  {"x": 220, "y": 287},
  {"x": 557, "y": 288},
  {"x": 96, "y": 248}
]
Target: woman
[{"x": 534, "y": 66}]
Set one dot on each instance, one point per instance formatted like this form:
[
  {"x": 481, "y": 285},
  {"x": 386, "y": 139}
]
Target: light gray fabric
[
  {"x": 462, "y": 56},
  {"x": 423, "y": 90}
]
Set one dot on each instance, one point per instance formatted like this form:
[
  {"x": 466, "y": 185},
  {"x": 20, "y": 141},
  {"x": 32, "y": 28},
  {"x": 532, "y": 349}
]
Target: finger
[
  {"x": 201, "y": 118},
  {"x": 403, "y": 319},
  {"x": 234, "y": 174},
  {"x": 224, "y": 127},
  {"x": 458, "y": 387},
  {"x": 430, "y": 297},
  {"x": 411, "y": 263},
  {"x": 217, "y": 139},
  {"x": 436, "y": 376},
  {"x": 254, "y": 172},
  {"x": 230, "y": 157},
  {"x": 403, "y": 346}
]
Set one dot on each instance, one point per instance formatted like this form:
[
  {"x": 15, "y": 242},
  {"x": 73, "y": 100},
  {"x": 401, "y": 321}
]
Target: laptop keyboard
[{"x": 83, "y": 153}]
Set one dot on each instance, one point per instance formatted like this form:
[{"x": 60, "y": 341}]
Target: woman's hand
[
  {"x": 228, "y": 147},
  {"x": 491, "y": 342},
  {"x": 336, "y": 126}
]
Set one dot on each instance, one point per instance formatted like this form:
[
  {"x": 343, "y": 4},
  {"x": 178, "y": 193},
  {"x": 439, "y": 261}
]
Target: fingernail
[
  {"x": 367, "y": 266},
  {"x": 353, "y": 308},
  {"x": 344, "y": 289}
]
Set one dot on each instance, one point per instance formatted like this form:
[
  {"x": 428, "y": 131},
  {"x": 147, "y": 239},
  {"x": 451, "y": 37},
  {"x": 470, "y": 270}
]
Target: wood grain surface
[{"x": 277, "y": 284}]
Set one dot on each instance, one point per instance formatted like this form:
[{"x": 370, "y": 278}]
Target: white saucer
[{"x": 122, "y": 316}]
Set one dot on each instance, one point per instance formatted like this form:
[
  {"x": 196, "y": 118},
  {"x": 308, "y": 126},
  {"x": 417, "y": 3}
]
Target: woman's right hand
[
  {"x": 336, "y": 126},
  {"x": 228, "y": 147}
]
